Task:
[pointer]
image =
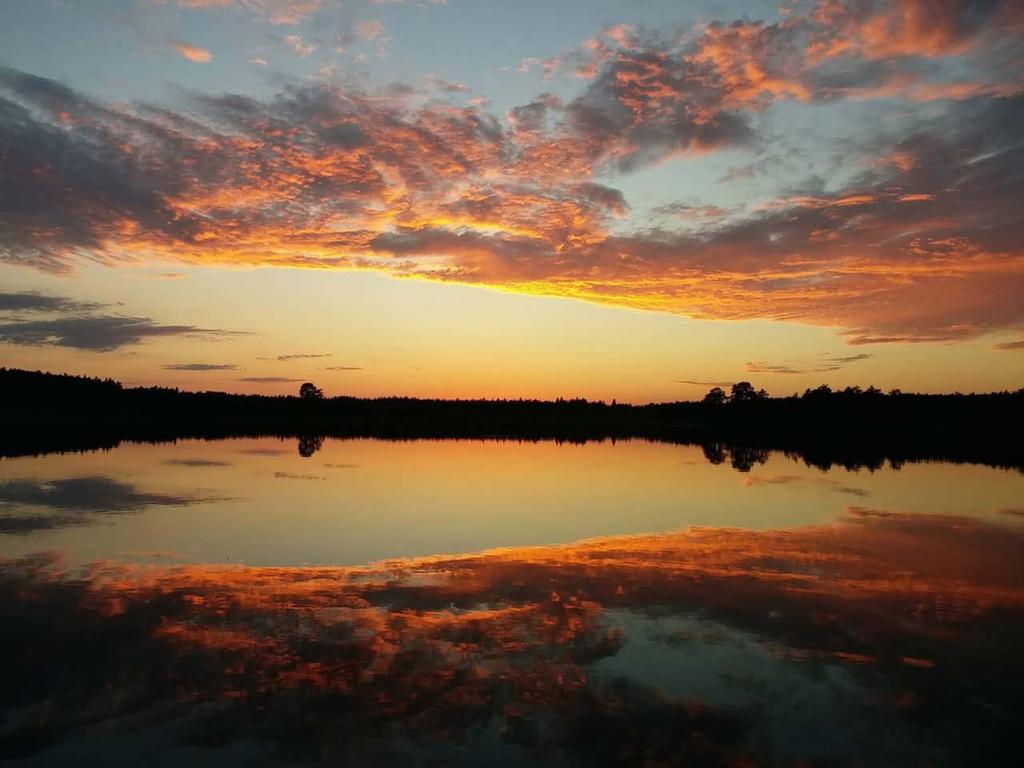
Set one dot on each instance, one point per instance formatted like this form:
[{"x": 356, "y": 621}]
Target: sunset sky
[{"x": 633, "y": 200}]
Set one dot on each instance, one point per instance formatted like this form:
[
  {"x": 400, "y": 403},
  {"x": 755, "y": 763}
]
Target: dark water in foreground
[{"x": 489, "y": 603}]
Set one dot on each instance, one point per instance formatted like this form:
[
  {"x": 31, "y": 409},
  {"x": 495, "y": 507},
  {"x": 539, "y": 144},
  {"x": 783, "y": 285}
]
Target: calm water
[{"x": 472, "y": 602}]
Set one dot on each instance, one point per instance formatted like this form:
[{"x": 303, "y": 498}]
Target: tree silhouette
[
  {"x": 715, "y": 452},
  {"x": 744, "y": 392},
  {"x": 715, "y": 396},
  {"x": 821, "y": 393},
  {"x": 310, "y": 391},
  {"x": 310, "y": 444}
]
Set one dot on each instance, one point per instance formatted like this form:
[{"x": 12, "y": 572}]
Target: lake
[{"x": 463, "y": 602}]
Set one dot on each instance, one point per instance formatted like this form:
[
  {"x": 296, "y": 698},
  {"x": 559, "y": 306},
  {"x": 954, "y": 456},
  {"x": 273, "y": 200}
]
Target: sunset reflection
[
  {"x": 912, "y": 621},
  {"x": 262, "y": 502}
]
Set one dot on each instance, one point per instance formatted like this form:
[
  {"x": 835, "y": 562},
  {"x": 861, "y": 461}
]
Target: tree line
[{"x": 854, "y": 426}]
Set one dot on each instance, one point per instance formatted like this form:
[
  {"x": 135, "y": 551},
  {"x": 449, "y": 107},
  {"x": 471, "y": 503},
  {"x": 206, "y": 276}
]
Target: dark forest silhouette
[{"x": 43, "y": 412}]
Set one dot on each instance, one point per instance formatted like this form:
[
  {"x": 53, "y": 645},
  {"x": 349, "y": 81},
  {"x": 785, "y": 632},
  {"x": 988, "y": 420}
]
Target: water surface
[
  {"x": 277, "y": 602},
  {"x": 352, "y": 502}
]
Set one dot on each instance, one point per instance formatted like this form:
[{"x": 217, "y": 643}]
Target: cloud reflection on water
[
  {"x": 28, "y": 505},
  {"x": 913, "y": 622}
]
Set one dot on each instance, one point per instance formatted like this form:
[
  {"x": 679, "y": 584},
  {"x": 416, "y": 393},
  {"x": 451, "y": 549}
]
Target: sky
[{"x": 465, "y": 198}]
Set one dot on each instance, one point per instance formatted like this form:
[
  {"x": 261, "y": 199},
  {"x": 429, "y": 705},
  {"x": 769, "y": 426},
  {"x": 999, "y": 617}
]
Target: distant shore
[{"x": 43, "y": 412}]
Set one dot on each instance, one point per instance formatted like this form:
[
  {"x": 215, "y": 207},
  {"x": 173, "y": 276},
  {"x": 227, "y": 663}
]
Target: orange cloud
[
  {"x": 193, "y": 53},
  {"x": 902, "y": 608},
  {"x": 924, "y": 245},
  {"x": 286, "y": 12},
  {"x": 369, "y": 30},
  {"x": 927, "y": 28}
]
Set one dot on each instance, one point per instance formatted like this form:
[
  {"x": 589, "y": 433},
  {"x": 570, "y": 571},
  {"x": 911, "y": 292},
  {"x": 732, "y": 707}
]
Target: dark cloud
[
  {"x": 100, "y": 333},
  {"x": 647, "y": 105},
  {"x": 84, "y": 494},
  {"x": 267, "y": 379},
  {"x": 343, "y": 368},
  {"x": 300, "y": 357},
  {"x": 698, "y": 383},
  {"x": 81, "y": 325},
  {"x": 15, "y": 523},
  {"x": 71, "y": 501},
  {"x": 29, "y": 301},
  {"x": 90, "y": 187},
  {"x": 201, "y": 367},
  {"x": 608, "y": 198}
]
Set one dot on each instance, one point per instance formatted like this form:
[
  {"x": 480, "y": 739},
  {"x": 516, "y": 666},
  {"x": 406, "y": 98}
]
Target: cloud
[
  {"x": 268, "y": 379},
  {"x": 343, "y": 368},
  {"x": 923, "y": 245},
  {"x": 301, "y": 357},
  {"x": 699, "y": 383},
  {"x": 82, "y": 325},
  {"x": 755, "y": 480},
  {"x": 690, "y": 212},
  {"x": 762, "y": 367},
  {"x": 822, "y": 364},
  {"x": 445, "y": 86},
  {"x": 300, "y": 46},
  {"x": 84, "y": 494},
  {"x": 197, "y": 463},
  {"x": 28, "y": 301},
  {"x": 648, "y": 105},
  {"x": 193, "y": 53},
  {"x": 287, "y": 12},
  {"x": 369, "y": 30},
  {"x": 71, "y": 501},
  {"x": 99, "y": 333},
  {"x": 201, "y": 367},
  {"x": 878, "y": 30},
  {"x": 834, "y": 485},
  {"x": 1009, "y": 345},
  {"x": 585, "y": 60}
]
